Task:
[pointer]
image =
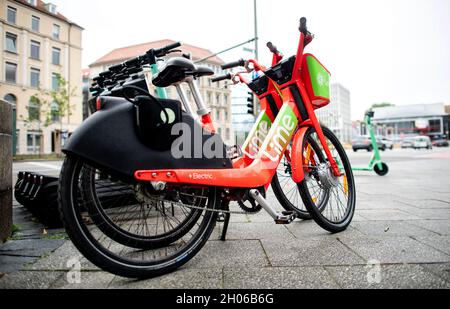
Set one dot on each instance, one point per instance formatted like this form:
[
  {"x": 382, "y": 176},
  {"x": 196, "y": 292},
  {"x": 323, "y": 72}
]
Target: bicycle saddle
[
  {"x": 201, "y": 71},
  {"x": 174, "y": 71}
]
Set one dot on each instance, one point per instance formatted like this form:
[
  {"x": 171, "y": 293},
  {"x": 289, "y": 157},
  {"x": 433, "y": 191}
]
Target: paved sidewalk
[{"x": 402, "y": 222}]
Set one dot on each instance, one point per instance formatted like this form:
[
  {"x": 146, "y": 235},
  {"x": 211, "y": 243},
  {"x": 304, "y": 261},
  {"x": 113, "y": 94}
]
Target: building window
[
  {"x": 55, "y": 112},
  {"x": 56, "y": 31},
  {"x": 218, "y": 115},
  {"x": 55, "y": 81},
  {"x": 226, "y": 116},
  {"x": 11, "y": 15},
  {"x": 33, "y": 109},
  {"x": 209, "y": 96},
  {"x": 10, "y": 72},
  {"x": 11, "y": 42},
  {"x": 10, "y": 98},
  {"x": 225, "y": 99},
  {"x": 35, "y": 21},
  {"x": 35, "y": 50},
  {"x": 51, "y": 8},
  {"x": 56, "y": 56},
  {"x": 34, "y": 141},
  {"x": 32, "y": 2},
  {"x": 35, "y": 77},
  {"x": 218, "y": 98}
]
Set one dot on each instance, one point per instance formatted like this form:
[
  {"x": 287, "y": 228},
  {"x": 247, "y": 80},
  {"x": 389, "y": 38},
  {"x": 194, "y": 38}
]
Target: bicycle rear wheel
[
  {"x": 337, "y": 213},
  {"x": 122, "y": 258}
]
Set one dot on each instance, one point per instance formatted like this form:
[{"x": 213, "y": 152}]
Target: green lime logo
[{"x": 281, "y": 134}]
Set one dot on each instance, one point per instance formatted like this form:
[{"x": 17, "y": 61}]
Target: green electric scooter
[{"x": 375, "y": 164}]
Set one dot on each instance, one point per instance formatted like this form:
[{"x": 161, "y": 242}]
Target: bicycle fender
[{"x": 298, "y": 174}]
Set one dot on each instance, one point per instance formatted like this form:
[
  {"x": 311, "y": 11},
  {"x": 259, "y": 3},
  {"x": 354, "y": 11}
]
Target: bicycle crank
[{"x": 285, "y": 217}]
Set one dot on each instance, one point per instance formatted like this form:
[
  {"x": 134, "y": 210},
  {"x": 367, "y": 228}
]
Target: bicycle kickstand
[{"x": 225, "y": 218}]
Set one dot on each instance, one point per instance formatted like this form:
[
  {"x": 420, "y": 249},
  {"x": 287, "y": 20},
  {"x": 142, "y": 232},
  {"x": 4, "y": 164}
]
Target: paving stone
[
  {"x": 184, "y": 278},
  {"x": 30, "y": 247},
  {"x": 394, "y": 250},
  {"x": 387, "y": 214},
  {"x": 230, "y": 253},
  {"x": 278, "y": 278},
  {"x": 243, "y": 231},
  {"x": 390, "y": 277},
  {"x": 309, "y": 252},
  {"x": 29, "y": 280},
  {"x": 441, "y": 243},
  {"x": 430, "y": 214},
  {"x": 59, "y": 259},
  {"x": 309, "y": 229},
  {"x": 83, "y": 280},
  {"x": 390, "y": 228},
  {"x": 10, "y": 264},
  {"x": 441, "y": 227},
  {"x": 426, "y": 204},
  {"x": 440, "y": 270}
]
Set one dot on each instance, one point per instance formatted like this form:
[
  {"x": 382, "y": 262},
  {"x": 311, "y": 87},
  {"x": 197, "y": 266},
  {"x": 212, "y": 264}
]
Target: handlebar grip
[
  {"x": 303, "y": 25},
  {"x": 132, "y": 62},
  {"x": 172, "y": 46},
  {"x": 220, "y": 78},
  {"x": 239, "y": 63},
  {"x": 164, "y": 50},
  {"x": 272, "y": 48}
]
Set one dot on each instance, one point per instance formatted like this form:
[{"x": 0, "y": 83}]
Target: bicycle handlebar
[
  {"x": 222, "y": 77},
  {"x": 303, "y": 26},
  {"x": 161, "y": 52},
  {"x": 239, "y": 63},
  {"x": 273, "y": 49}
]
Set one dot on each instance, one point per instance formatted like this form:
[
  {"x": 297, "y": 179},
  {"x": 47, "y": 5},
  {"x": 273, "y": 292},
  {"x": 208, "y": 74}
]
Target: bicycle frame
[
  {"x": 295, "y": 118},
  {"x": 270, "y": 102}
]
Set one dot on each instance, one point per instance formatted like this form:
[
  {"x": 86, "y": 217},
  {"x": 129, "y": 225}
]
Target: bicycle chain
[{"x": 207, "y": 209}]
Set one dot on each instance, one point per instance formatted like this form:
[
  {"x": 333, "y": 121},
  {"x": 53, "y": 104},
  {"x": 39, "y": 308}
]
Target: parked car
[
  {"x": 440, "y": 143},
  {"x": 365, "y": 143},
  {"x": 422, "y": 142},
  {"x": 408, "y": 142},
  {"x": 388, "y": 144}
]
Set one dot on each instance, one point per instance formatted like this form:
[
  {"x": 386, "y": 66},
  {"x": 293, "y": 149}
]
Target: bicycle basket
[
  {"x": 317, "y": 81},
  {"x": 282, "y": 72}
]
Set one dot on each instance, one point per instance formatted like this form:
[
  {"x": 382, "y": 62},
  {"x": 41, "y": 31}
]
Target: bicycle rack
[{"x": 37, "y": 193}]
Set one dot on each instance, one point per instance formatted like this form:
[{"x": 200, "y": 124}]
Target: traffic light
[{"x": 251, "y": 103}]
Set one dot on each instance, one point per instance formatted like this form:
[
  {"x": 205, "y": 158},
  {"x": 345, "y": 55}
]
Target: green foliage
[{"x": 380, "y": 105}]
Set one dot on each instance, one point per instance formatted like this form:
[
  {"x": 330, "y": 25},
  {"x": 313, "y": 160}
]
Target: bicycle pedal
[{"x": 286, "y": 217}]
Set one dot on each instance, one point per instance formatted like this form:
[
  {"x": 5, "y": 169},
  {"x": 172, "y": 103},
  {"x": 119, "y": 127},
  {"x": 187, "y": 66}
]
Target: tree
[
  {"x": 380, "y": 105},
  {"x": 55, "y": 103},
  {"x": 34, "y": 117}
]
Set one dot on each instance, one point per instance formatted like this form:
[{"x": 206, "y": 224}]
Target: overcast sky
[{"x": 394, "y": 51}]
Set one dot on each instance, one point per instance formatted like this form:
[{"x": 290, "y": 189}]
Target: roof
[
  {"x": 85, "y": 72},
  {"x": 124, "y": 53},
  {"x": 40, "y": 6},
  {"x": 410, "y": 111}
]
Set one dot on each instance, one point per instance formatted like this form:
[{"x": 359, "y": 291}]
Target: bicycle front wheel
[{"x": 337, "y": 213}]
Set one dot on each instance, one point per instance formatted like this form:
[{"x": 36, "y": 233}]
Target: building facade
[
  {"x": 337, "y": 116},
  {"x": 216, "y": 95},
  {"x": 406, "y": 120},
  {"x": 38, "y": 44}
]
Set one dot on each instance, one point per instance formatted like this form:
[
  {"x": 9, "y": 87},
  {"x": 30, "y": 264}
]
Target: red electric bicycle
[{"x": 173, "y": 201}]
